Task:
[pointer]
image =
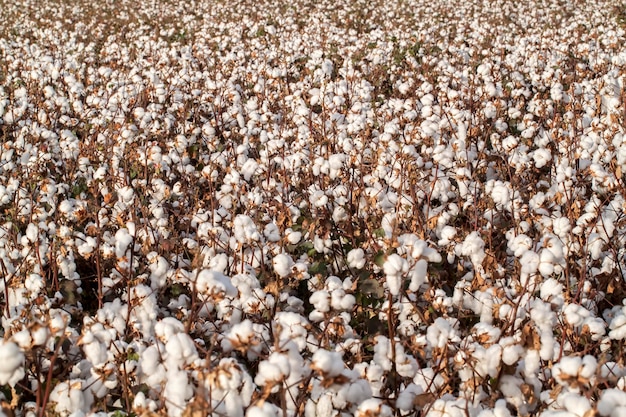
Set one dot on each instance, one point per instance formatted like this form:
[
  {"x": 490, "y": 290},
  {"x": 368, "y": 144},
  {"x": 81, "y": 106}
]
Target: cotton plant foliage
[{"x": 330, "y": 208}]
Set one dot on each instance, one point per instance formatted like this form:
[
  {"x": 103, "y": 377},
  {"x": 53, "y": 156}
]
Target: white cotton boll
[
  {"x": 575, "y": 314},
  {"x": 245, "y": 230},
  {"x": 546, "y": 263},
  {"x": 180, "y": 350},
  {"x": 611, "y": 400},
  {"x": 447, "y": 235},
  {"x": 271, "y": 232},
  {"x": 168, "y": 327},
  {"x": 122, "y": 240},
  {"x": 395, "y": 266},
  {"x": 11, "y": 363},
  {"x": 530, "y": 265},
  {"x": 177, "y": 391},
  {"x": 318, "y": 199},
  {"x": 520, "y": 244},
  {"x": 511, "y": 353},
  {"x": 159, "y": 268},
  {"x": 292, "y": 236},
  {"x": 40, "y": 335},
  {"x": 282, "y": 265},
  {"x": 595, "y": 326},
  {"x": 617, "y": 327},
  {"x": 373, "y": 407},
  {"x": 551, "y": 289},
  {"x": 406, "y": 398},
  {"x": 532, "y": 362},
  {"x": 542, "y": 157},
  {"x": 23, "y": 339},
  {"x": 339, "y": 214},
  {"x": 474, "y": 247},
  {"x": 239, "y": 335},
  {"x": 510, "y": 388},
  {"x": 272, "y": 370},
  {"x": 439, "y": 333},
  {"x": 321, "y": 301},
  {"x": 213, "y": 283},
  {"x": 561, "y": 226},
  {"x": 68, "y": 397},
  {"x": 329, "y": 364},
  {"x": 265, "y": 409},
  {"x": 249, "y": 168},
  {"x": 356, "y": 258},
  {"x": 418, "y": 274}
]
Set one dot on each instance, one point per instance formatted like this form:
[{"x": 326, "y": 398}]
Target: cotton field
[{"x": 322, "y": 209}]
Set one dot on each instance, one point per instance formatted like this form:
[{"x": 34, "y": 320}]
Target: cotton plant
[{"x": 157, "y": 186}]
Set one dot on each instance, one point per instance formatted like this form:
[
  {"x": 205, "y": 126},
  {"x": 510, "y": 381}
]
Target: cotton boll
[
  {"x": 395, "y": 267},
  {"x": 273, "y": 370},
  {"x": 292, "y": 236},
  {"x": 215, "y": 284},
  {"x": 329, "y": 364},
  {"x": 474, "y": 247},
  {"x": 177, "y": 391},
  {"x": 282, "y": 265},
  {"x": 123, "y": 239},
  {"x": 356, "y": 258},
  {"x": 180, "y": 350},
  {"x": 447, "y": 235},
  {"x": 418, "y": 274},
  {"x": 373, "y": 407},
  {"x": 245, "y": 230},
  {"x": 612, "y": 402},
  {"x": 11, "y": 363},
  {"x": 519, "y": 244},
  {"x": 271, "y": 232},
  {"x": 264, "y": 409},
  {"x": 69, "y": 397},
  {"x": 530, "y": 264}
]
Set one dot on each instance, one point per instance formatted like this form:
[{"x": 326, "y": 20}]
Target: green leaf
[
  {"x": 380, "y": 258},
  {"x": 317, "y": 268},
  {"x": 380, "y": 233}
]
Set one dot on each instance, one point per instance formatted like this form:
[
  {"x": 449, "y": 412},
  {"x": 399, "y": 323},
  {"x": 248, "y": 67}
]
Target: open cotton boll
[
  {"x": 11, "y": 363},
  {"x": 215, "y": 283},
  {"x": 245, "y": 230},
  {"x": 122, "y": 240},
  {"x": 282, "y": 264},
  {"x": 356, "y": 258},
  {"x": 395, "y": 267},
  {"x": 474, "y": 247},
  {"x": 273, "y": 370},
  {"x": 329, "y": 364},
  {"x": 177, "y": 391},
  {"x": 373, "y": 407},
  {"x": 446, "y": 236},
  {"x": 263, "y": 409},
  {"x": 180, "y": 350},
  {"x": 70, "y": 397},
  {"x": 612, "y": 403}
]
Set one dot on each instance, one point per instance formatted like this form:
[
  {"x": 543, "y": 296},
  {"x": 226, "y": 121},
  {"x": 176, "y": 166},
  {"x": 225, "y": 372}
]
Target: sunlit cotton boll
[
  {"x": 395, "y": 267},
  {"x": 282, "y": 264},
  {"x": 329, "y": 364},
  {"x": 11, "y": 363},
  {"x": 356, "y": 258},
  {"x": 213, "y": 282}
]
